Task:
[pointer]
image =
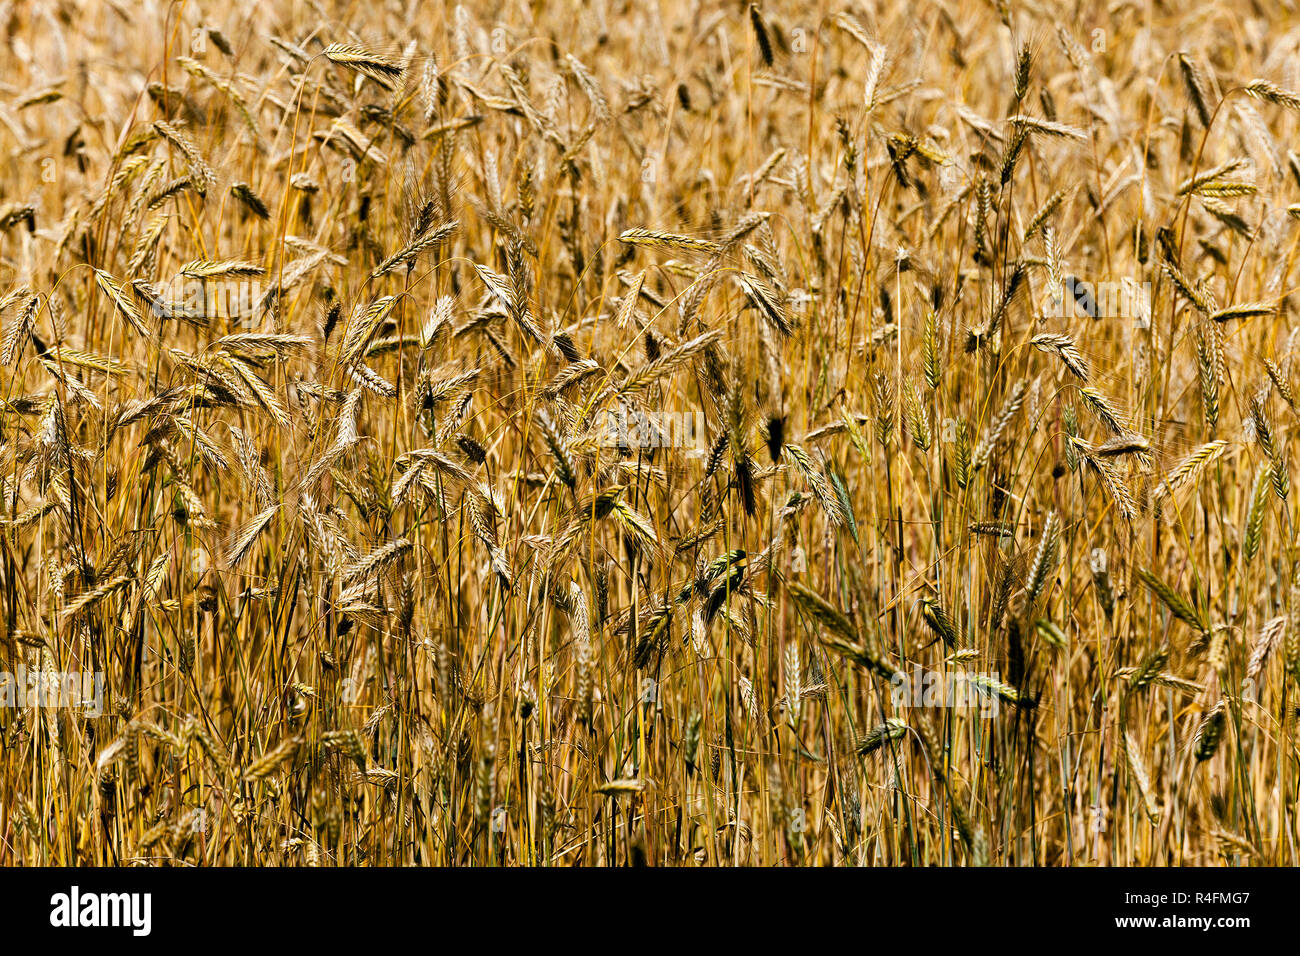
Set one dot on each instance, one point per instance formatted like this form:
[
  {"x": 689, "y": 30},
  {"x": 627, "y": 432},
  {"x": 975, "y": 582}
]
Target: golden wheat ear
[{"x": 377, "y": 67}]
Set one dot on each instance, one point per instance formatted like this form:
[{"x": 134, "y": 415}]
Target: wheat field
[{"x": 648, "y": 432}]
